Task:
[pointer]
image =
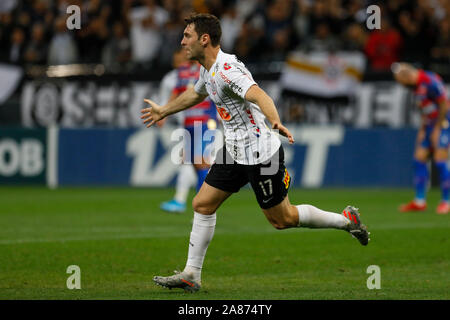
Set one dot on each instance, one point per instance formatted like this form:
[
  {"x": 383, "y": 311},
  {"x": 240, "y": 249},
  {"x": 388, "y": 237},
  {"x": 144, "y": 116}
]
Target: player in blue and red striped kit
[
  {"x": 433, "y": 137},
  {"x": 196, "y": 120}
]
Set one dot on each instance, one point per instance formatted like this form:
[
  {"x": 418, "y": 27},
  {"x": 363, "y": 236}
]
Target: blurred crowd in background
[{"x": 141, "y": 34}]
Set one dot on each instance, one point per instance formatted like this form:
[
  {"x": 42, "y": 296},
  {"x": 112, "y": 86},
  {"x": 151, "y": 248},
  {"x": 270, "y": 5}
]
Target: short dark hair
[{"x": 206, "y": 23}]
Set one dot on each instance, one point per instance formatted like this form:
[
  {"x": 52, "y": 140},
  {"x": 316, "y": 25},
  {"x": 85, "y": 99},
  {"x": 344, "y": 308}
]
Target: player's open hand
[
  {"x": 283, "y": 131},
  {"x": 151, "y": 114}
]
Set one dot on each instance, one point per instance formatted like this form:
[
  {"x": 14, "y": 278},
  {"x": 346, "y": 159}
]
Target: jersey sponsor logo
[
  {"x": 213, "y": 86},
  {"x": 226, "y": 66},
  {"x": 233, "y": 86},
  {"x": 267, "y": 200},
  {"x": 223, "y": 113},
  {"x": 256, "y": 130}
]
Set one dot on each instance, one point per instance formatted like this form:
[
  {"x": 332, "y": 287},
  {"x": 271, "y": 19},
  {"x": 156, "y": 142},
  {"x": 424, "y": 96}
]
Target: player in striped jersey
[
  {"x": 252, "y": 152},
  {"x": 433, "y": 137},
  {"x": 186, "y": 176}
]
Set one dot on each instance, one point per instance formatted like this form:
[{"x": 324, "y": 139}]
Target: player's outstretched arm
[
  {"x": 155, "y": 112},
  {"x": 258, "y": 96}
]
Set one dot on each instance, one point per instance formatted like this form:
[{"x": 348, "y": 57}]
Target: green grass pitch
[{"x": 120, "y": 239}]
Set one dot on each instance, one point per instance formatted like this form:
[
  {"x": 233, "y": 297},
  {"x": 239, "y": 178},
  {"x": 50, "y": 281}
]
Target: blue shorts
[
  {"x": 444, "y": 138},
  {"x": 198, "y": 145}
]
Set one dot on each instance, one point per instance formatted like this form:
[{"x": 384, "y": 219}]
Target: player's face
[{"x": 191, "y": 43}]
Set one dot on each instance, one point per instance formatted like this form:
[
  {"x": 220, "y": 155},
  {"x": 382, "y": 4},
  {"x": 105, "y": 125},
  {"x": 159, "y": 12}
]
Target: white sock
[
  {"x": 202, "y": 233},
  {"x": 186, "y": 178},
  {"x": 312, "y": 217}
]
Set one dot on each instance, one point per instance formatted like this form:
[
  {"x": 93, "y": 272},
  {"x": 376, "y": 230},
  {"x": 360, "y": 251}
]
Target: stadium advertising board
[
  {"x": 83, "y": 103},
  {"x": 321, "y": 156},
  {"x": 75, "y": 104},
  {"x": 23, "y": 156}
]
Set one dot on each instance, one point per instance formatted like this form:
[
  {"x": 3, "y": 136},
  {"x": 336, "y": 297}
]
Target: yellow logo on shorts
[{"x": 287, "y": 178}]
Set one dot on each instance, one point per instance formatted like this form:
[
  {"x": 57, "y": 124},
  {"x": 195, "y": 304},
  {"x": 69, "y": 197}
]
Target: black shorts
[{"x": 270, "y": 180}]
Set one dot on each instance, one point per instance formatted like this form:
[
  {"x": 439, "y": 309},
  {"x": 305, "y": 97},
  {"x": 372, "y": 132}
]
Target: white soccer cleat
[
  {"x": 356, "y": 228},
  {"x": 181, "y": 280}
]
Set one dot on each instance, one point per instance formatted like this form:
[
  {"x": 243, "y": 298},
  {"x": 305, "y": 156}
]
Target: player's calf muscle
[
  {"x": 282, "y": 216},
  {"x": 283, "y": 224},
  {"x": 280, "y": 225}
]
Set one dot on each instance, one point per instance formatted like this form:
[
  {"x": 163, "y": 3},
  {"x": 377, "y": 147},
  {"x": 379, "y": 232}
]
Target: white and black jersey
[{"x": 248, "y": 139}]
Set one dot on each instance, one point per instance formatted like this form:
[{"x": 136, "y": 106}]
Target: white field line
[{"x": 115, "y": 233}]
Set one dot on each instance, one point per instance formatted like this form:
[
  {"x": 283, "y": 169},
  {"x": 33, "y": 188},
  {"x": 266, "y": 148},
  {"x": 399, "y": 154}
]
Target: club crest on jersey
[{"x": 226, "y": 66}]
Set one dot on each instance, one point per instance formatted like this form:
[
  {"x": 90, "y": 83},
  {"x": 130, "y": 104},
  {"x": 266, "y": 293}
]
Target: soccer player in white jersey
[{"x": 252, "y": 152}]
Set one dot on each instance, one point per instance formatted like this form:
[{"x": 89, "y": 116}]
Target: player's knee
[
  {"x": 201, "y": 206},
  {"x": 196, "y": 204},
  {"x": 421, "y": 157},
  {"x": 440, "y": 155}
]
